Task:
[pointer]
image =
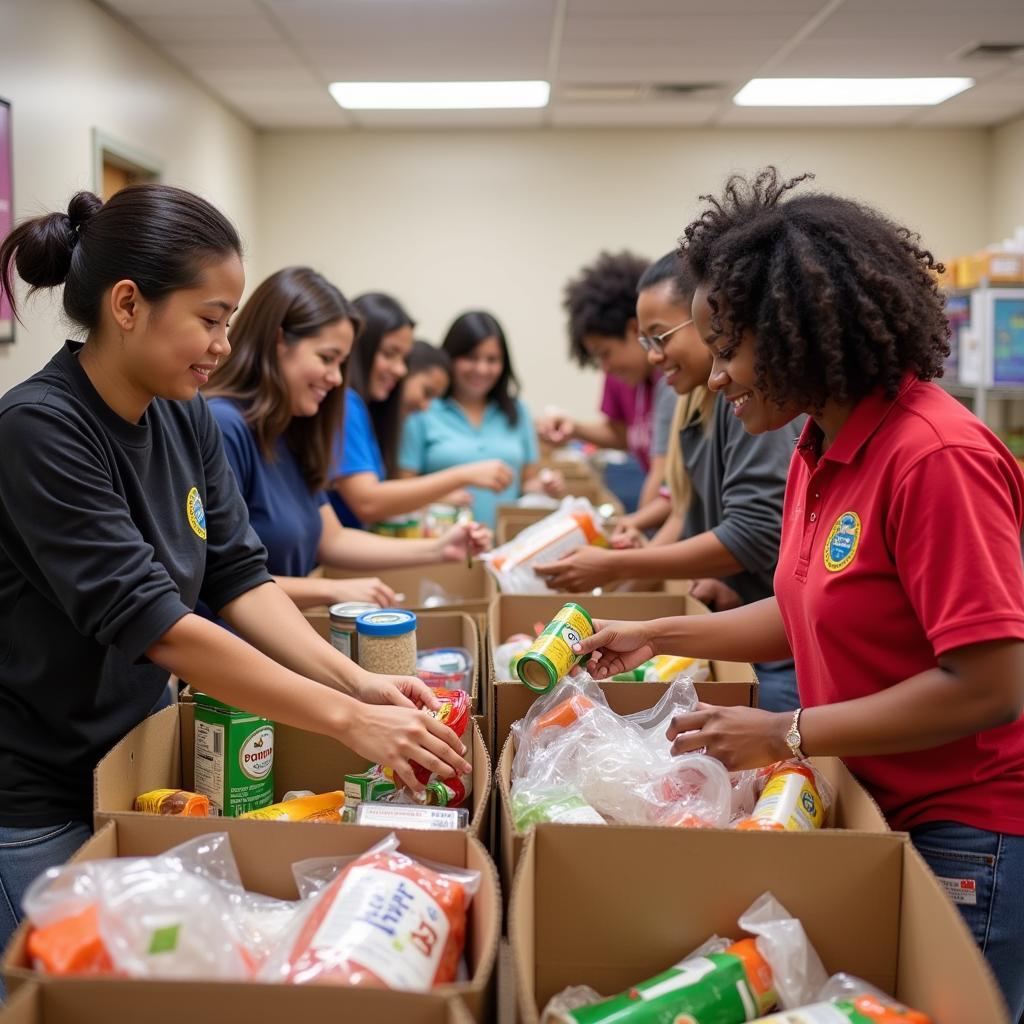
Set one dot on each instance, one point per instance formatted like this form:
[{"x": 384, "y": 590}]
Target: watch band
[{"x": 793, "y": 737}]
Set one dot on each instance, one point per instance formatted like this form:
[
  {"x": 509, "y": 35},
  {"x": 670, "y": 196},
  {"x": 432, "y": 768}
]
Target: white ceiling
[{"x": 272, "y": 60}]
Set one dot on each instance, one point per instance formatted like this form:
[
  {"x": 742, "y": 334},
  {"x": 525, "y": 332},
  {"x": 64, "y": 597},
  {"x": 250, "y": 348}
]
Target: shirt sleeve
[
  {"x": 754, "y": 474},
  {"x": 239, "y": 443},
  {"x": 78, "y": 542},
  {"x": 359, "y": 451},
  {"x": 664, "y": 409},
  {"x": 236, "y": 561},
  {"x": 611, "y": 401},
  {"x": 954, "y": 528},
  {"x": 412, "y": 452},
  {"x": 528, "y": 435}
]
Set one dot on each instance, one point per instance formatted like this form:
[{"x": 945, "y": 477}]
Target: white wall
[
  {"x": 449, "y": 221},
  {"x": 67, "y": 67},
  {"x": 1007, "y": 180}
]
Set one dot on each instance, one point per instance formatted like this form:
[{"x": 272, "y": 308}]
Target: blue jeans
[
  {"x": 776, "y": 686},
  {"x": 984, "y": 874},
  {"x": 26, "y": 853}
]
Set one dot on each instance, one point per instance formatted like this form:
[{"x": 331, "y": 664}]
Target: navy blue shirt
[
  {"x": 283, "y": 512},
  {"x": 355, "y": 451},
  {"x": 110, "y": 532}
]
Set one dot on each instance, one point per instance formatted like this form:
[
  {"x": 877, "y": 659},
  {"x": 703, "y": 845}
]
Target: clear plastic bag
[
  {"x": 175, "y": 915},
  {"x": 845, "y": 997},
  {"x": 575, "y": 524},
  {"x": 505, "y": 653},
  {"x": 576, "y": 754},
  {"x": 381, "y": 919}
]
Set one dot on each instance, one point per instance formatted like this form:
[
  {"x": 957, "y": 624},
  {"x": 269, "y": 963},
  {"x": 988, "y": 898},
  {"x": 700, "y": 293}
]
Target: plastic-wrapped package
[
  {"x": 573, "y": 747},
  {"x": 796, "y": 797},
  {"x": 552, "y": 803},
  {"x": 723, "y": 982},
  {"x": 505, "y": 654},
  {"x": 449, "y": 668},
  {"x": 846, "y": 999},
  {"x": 381, "y": 919},
  {"x": 666, "y": 668},
  {"x": 174, "y": 915},
  {"x": 575, "y": 524}
]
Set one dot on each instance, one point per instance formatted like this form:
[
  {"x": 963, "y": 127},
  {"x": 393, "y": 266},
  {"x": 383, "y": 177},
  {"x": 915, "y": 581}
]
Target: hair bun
[{"x": 82, "y": 208}]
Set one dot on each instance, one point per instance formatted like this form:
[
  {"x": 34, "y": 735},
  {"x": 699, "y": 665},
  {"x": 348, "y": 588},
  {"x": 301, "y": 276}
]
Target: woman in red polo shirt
[{"x": 899, "y": 590}]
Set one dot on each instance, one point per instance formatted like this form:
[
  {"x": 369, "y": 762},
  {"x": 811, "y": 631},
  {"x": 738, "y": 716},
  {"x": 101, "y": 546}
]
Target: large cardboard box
[
  {"x": 433, "y": 629},
  {"x": 609, "y": 907},
  {"x": 466, "y": 589},
  {"x": 853, "y": 808},
  {"x": 732, "y": 683},
  {"x": 266, "y": 867},
  {"x": 158, "y": 754},
  {"x": 93, "y": 1001}
]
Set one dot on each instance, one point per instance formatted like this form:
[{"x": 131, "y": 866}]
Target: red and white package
[{"x": 382, "y": 920}]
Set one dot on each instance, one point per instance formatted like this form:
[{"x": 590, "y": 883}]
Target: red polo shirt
[{"x": 902, "y": 542}]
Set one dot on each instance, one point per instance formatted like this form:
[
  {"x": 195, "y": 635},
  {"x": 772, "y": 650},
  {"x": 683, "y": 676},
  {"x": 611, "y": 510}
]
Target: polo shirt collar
[{"x": 867, "y": 416}]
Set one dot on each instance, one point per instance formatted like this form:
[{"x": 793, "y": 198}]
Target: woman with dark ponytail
[{"x": 118, "y": 513}]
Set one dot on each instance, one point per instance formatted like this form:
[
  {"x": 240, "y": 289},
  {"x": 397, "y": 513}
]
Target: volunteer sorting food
[
  {"x": 899, "y": 590},
  {"x": 118, "y": 512}
]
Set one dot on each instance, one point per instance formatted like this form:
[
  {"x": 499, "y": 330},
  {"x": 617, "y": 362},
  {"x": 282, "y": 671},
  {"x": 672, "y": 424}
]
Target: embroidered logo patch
[
  {"x": 196, "y": 513},
  {"x": 842, "y": 542}
]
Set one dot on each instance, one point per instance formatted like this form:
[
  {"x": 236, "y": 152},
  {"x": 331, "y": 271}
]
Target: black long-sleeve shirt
[{"x": 110, "y": 532}]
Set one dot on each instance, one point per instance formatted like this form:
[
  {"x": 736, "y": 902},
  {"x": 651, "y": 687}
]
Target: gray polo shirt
[{"x": 739, "y": 480}]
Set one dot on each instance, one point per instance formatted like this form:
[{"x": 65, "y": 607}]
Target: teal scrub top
[{"x": 442, "y": 437}]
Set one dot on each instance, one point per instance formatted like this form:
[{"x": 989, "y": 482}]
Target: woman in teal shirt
[{"x": 481, "y": 417}]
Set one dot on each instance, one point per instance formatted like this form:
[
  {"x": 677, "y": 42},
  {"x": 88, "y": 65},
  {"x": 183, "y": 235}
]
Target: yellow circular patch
[
  {"x": 842, "y": 542},
  {"x": 196, "y": 513}
]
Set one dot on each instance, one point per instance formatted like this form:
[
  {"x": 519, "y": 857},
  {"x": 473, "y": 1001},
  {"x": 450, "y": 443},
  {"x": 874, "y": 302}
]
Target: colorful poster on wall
[
  {"x": 958, "y": 313},
  {"x": 6, "y": 208},
  {"x": 1008, "y": 341}
]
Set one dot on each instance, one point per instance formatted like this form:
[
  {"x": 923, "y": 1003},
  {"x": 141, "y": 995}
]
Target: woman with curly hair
[
  {"x": 900, "y": 589},
  {"x": 636, "y": 403}
]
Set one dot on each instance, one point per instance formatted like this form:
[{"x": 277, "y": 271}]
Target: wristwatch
[{"x": 793, "y": 739}]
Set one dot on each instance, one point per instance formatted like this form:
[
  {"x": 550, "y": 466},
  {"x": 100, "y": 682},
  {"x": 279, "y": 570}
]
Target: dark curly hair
[
  {"x": 840, "y": 299},
  {"x": 602, "y": 300}
]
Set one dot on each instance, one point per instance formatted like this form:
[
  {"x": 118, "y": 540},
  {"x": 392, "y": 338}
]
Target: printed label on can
[
  {"x": 791, "y": 800},
  {"x": 341, "y": 640},
  {"x": 568, "y": 627}
]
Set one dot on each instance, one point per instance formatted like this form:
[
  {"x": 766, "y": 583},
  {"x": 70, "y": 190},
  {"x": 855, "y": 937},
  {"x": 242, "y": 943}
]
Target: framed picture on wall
[{"x": 6, "y": 208}]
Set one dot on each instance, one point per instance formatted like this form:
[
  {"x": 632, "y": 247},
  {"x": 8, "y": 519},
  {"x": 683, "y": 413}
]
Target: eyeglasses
[{"x": 656, "y": 342}]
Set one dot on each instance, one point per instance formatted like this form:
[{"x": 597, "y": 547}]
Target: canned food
[
  {"x": 551, "y": 656},
  {"x": 343, "y": 626}
]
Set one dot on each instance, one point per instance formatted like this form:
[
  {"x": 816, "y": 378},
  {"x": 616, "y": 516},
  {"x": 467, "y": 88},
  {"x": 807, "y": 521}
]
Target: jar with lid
[
  {"x": 343, "y": 626},
  {"x": 386, "y": 640}
]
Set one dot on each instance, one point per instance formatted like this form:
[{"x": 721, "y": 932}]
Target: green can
[
  {"x": 551, "y": 656},
  {"x": 234, "y": 757}
]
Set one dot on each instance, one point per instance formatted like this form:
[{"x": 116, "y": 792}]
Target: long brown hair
[{"x": 299, "y": 302}]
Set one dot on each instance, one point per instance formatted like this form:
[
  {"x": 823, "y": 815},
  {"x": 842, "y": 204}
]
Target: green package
[
  {"x": 561, "y": 805},
  {"x": 712, "y": 989},
  {"x": 234, "y": 757}
]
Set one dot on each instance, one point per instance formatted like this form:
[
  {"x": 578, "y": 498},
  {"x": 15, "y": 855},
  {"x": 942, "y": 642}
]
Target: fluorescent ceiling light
[
  {"x": 439, "y": 95},
  {"x": 849, "y": 92}
]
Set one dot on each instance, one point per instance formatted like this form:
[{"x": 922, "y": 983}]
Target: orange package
[
  {"x": 385, "y": 921},
  {"x": 563, "y": 714},
  {"x": 71, "y": 945}
]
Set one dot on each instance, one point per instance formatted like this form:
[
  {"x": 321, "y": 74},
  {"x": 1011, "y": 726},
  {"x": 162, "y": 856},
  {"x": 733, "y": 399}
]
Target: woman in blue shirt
[
  {"x": 278, "y": 402},
  {"x": 366, "y": 457},
  {"x": 481, "y": 417}
]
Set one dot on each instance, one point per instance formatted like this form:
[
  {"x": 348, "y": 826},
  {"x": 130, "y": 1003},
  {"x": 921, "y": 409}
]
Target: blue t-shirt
[
  {"x": 442, "y": 437},
  {"x": 285, "y": 516},
  {"x": 355, "y": 451}
]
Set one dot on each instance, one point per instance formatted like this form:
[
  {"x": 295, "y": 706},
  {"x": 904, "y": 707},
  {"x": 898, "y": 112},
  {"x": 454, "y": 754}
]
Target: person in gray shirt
[{"x": 727, "y": 509}]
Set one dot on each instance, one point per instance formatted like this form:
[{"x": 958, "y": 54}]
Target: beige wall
[
  {"x": 1007, "y": 181},
  {"x": 67, "y": 67},
  {"x": 448, "y": 221}
]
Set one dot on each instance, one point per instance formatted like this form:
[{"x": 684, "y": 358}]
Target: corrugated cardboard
[
  {"x": 91, "y": 1001},
  {"x": 433, "y": 629},
  {"x": 852, "y": 809},
  {"x": 733, "y": 682},
  {"x": 266, "y": 867},
  {"x": 609, "y": 907},
  {"x": 468, "y": 589},
  {"x": 158, "y": 754}
]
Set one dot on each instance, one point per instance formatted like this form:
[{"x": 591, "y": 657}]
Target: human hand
[
  {"x": 739, "y": 737},
  {"x": 718, "y": 596},
  {"x": 579, "y": 571},
  {"x": 368, "y": 590},
  {"x": 616, "y": 646}
]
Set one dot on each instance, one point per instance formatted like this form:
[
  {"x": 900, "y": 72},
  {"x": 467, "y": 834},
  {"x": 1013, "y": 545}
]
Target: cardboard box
[
  {"x": 468, "y": 589},
  {"x": 512, "y": 520},
  {"x": 732, "y": 682},
  {"x": 266, "y": 867},
  {"x": 433, "y": 629},
  {"x": 94, "y": 1001},
  {"x": 853, "y": 809},
  {"x": 609, "y": 907},
  {"x": 158, "y": 754}
]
